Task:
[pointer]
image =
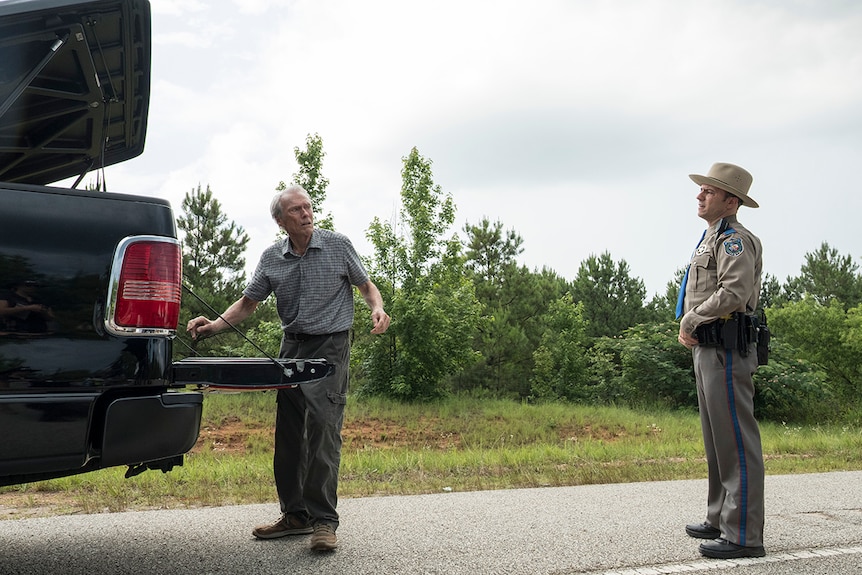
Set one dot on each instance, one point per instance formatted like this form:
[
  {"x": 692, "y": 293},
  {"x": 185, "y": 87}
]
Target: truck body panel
[
  {"x": 73, "y": 396},
  {"x": 91, "y": 281}
]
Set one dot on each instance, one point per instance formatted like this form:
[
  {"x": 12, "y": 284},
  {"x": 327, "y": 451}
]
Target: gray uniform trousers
[
  {"x": 731, "y": 436},
  {"x": 308, "y": 432}
]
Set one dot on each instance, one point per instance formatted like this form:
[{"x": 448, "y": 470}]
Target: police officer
[{"x": 721, "y": 285}]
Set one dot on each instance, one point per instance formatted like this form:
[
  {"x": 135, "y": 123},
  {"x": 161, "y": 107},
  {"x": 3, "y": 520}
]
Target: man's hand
[
  {"x": 687, "y": 339},
  {"x": 199, "y": 328},
  {"x": 380, "y": 320}
]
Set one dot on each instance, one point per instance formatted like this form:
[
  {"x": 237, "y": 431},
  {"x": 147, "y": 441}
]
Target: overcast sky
[{"x": 575, "y": 123}]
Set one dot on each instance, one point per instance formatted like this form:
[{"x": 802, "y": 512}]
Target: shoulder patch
[{"x": 733, "y": 247}]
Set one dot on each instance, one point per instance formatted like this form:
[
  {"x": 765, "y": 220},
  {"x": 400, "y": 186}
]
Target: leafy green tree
[
  {"x": 645, "y": 367},
  {"x": 310, "y": 177},
  {"x": 213, "y": 247},
  {"x": 613, "y": 300},
  {"x": 605, "y": 373},
  {"x": 662, "y": 307},
  {"x": 827, "y": 276},
  {"x": 771, "y": 292},
  {"x": 490, "y": 259},
  {"x": 656, "y": 367},
  {"x": 561, "y": 365},
  {"x": 213, "y": 262},
  {"x": 823, "y": 335},
  {"x": 490, "y": 254},
  {"x": 432, "y": 303},
  {"x": 514, "y": 330},
  {"x": 852, "y": 338},
  {"x": 792, "y": 390},
  {"x": 514, "y": 301}
]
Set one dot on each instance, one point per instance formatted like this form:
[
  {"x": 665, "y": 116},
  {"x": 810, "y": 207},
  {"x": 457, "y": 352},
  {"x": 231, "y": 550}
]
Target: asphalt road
[{"x": 813, "y": 526}]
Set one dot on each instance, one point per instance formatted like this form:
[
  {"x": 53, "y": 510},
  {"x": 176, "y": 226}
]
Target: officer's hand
[{"x": 687, "y": 339}]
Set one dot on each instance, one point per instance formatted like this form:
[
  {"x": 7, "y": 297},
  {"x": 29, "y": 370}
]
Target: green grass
[{"x": 458, "y": 444}]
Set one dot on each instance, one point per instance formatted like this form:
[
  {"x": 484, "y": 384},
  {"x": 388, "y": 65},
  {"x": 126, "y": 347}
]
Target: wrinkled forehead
[{"x": 295, "y": 199}]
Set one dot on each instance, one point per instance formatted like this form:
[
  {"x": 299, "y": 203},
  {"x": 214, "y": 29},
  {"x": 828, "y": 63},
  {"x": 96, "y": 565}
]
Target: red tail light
[{"x": 148, "y": 286}]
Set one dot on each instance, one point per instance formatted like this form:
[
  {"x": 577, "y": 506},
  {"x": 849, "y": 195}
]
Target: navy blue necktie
[{"x": 681, "y": 297}]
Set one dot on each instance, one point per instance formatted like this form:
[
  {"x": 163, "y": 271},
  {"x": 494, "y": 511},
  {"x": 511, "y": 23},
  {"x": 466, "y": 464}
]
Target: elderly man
[{"x": 311, "y": 272}]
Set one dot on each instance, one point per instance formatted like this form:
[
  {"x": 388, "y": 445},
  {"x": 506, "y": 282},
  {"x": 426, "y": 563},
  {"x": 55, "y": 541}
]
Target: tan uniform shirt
[{"x": 724, "y": 274}]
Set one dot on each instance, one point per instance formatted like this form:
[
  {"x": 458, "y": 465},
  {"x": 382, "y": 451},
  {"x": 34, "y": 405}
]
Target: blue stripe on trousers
[{"x": 740, "y": 448}]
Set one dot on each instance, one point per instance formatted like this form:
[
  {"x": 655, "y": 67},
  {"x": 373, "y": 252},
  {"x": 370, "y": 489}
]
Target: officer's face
[{"x": 714, "y": 204}]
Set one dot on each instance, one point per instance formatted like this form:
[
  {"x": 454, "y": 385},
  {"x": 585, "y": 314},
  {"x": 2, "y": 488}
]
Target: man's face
[
  {"x": 296, "y": 217},
  {"x": 714, "y": 204}
]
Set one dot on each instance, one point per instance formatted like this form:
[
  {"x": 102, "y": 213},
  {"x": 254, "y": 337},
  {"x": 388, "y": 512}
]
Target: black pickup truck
[{"x": 90, "y": 281}]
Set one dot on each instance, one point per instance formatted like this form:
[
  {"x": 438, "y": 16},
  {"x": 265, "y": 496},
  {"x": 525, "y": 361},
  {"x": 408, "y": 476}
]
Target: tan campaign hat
[{"x": 731, "y": 179}]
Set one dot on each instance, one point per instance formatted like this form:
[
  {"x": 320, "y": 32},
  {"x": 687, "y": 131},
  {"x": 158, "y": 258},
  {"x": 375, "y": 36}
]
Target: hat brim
[{"x": 744, "y": 198}]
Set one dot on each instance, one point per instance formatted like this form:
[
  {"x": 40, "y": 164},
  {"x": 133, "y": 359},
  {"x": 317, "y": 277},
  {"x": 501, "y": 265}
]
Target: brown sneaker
[
  {"x": 324, "y": 538},
  {"x": 286, "y": 525}
]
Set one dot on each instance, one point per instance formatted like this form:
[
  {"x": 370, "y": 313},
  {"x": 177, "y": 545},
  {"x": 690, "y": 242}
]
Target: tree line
[{"x": 469, "y": 319}]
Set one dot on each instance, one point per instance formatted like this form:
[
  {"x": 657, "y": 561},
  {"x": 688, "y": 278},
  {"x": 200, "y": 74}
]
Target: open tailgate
[{"x": 249, "y": 373}]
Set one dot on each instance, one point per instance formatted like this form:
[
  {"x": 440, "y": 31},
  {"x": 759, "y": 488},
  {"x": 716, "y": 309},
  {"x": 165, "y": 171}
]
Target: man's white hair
[{"x": 275, "y": 205}]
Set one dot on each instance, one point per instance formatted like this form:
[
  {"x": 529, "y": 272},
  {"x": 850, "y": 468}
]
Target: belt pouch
[{"x": 730, "y": 333}]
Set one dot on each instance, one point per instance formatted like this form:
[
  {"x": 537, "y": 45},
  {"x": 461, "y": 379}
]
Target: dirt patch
[
  {"x": 15, "y": 505},
  {"x": 234, "y": 437},
  {"x": 373, "y": 433},
  {"x": 231, "y": 436}
]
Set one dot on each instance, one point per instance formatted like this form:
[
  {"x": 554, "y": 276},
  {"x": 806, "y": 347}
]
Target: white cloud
[
  {"x": 574, "y": 123},
  {"x": 177, "y": 8}
]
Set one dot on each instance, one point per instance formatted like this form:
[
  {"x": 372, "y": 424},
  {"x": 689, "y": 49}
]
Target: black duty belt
[
  {"x": 295, "y": 336},
  {"x": 734, "y": 332}
]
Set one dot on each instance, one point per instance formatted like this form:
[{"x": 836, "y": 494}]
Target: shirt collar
[
  {"x": 726, "y": 221},
  {"x": 315, "y": 242}
]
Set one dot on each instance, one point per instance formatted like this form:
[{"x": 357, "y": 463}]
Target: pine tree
[{"x": 213, "y": 262}]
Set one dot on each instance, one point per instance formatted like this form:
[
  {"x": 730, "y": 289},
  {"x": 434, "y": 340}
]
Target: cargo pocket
[{"x": 335, "y": 408}]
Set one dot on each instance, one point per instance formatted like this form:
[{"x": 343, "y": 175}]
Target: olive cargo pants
[{"x": 308, "y": 432}]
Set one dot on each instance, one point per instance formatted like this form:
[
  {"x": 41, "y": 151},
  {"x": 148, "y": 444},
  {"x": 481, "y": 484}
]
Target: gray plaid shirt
[{"x": 313, "y": 292}]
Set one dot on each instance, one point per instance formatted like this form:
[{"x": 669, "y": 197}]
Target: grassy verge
[{"x": 459, "y": 444}]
